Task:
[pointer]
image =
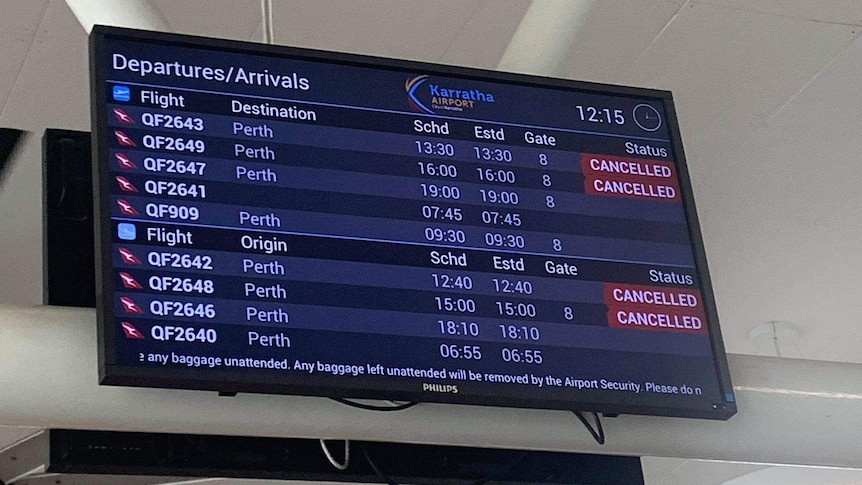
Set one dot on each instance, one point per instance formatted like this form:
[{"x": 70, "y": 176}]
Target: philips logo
[
  {"x": 426, "y": 96},
  {"x": 439, "y": 388}
]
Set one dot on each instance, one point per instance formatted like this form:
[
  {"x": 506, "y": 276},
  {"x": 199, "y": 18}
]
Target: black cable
[
  {"x": 377, "y": 471},
  {"x": 369, "y": 407},
  {"x": 503, "y": 471},
  {"x": 597, "y": 432}
]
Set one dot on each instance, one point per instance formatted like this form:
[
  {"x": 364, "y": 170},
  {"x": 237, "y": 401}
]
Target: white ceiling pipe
[
  {"x": 136, "y": 14},
  {"x": 544, "y": 36}
]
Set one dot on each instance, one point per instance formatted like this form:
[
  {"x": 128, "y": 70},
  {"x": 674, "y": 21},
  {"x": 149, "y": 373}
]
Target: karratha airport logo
[{"x": 426, "y": 96}]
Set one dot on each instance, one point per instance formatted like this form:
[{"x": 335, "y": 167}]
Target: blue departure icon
[
  {"x": 122, "y": 93},
  {"x": 126, "y": 231}
]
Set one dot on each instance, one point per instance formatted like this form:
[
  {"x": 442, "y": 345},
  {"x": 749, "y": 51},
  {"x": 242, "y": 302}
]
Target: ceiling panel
[
  {"x": 409, "y": 30},
  {"x": 21, "y": 226},
  {"x": 237, "y": 19},
  {"x": 21, "y": 17},
  {"x": 13, "y": 51},
  {"x": 796, "y": 475},
  {"x": 730, "y": 69},
  {"x": 60, "y": 23},
  {"x": 679, "y": 471},
  {"x": 767, "y": 269},
  {"x": 53, "y": 86},
  {"x": 819, "y": 131},
  {"x": 613, "y": 35},
  {"x": 10, "y": 435},
  {"x": 484, "y": 38},
  {"x": 786, "y": 246},
  {"x": 834, "y": 11},
  {"x": 51, "y": 91}
]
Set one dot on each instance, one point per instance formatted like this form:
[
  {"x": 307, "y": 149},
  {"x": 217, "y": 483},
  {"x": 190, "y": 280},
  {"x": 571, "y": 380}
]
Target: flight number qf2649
[{"x": 173, "y": 144}]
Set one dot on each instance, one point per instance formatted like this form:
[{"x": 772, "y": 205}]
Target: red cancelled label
[
  {"x": 632, "y": 187},
  {"x": 652, "y": 296},
  {"x": 628, "y": 166},
  {"x": 660, "y": 319}
]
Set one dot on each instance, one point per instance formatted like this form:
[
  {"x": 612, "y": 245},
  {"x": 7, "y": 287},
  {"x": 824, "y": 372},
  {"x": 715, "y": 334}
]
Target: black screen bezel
[{"x": 218, "y": 380}]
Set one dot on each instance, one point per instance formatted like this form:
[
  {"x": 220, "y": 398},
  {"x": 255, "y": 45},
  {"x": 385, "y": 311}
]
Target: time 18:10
[{"x": 453, "y": 327}]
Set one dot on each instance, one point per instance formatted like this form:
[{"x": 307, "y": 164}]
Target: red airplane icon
[
  {"x": 126, "y": 208},
  {"x": 131, "y": 332},
  {"x": 125, "y": 162},
  {"x": 124, "y": 139},
  {"x": 125, "y": 185},
  {"x": 123, "y": 117},
  {"x": 130, "y": 306},
  {"x": 128, "y": 257},
  {"x": 129, "y": 281}
]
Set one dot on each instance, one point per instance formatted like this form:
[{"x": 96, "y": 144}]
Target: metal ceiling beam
[
  {"x": 544, "y": 36},
  {"x": 136, "y": 14},
  {"x": 791, "y": 411}
]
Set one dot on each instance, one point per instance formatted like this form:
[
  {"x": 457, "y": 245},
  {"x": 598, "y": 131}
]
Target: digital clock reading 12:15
[{"x": 601, "y": 115}]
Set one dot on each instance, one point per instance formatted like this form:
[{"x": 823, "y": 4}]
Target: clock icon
[{"x": 647, "y": 117}]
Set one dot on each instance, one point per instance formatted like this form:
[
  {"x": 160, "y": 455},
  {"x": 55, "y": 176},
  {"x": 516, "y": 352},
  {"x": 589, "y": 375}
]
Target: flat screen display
[{"x": 280, "y": 220}]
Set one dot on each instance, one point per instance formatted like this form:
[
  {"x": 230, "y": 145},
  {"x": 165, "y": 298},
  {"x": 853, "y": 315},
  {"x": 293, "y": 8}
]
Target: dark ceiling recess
[
  {"x": 68, "y": 260},
  {"x": 9, "y": 137},
  {"x": 125, "y": 453}
]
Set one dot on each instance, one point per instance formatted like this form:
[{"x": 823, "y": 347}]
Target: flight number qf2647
[{"x": 169, "y": 165}]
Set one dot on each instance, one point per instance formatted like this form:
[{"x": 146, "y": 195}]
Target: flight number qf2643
[{"x": 175, "y": 122}]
